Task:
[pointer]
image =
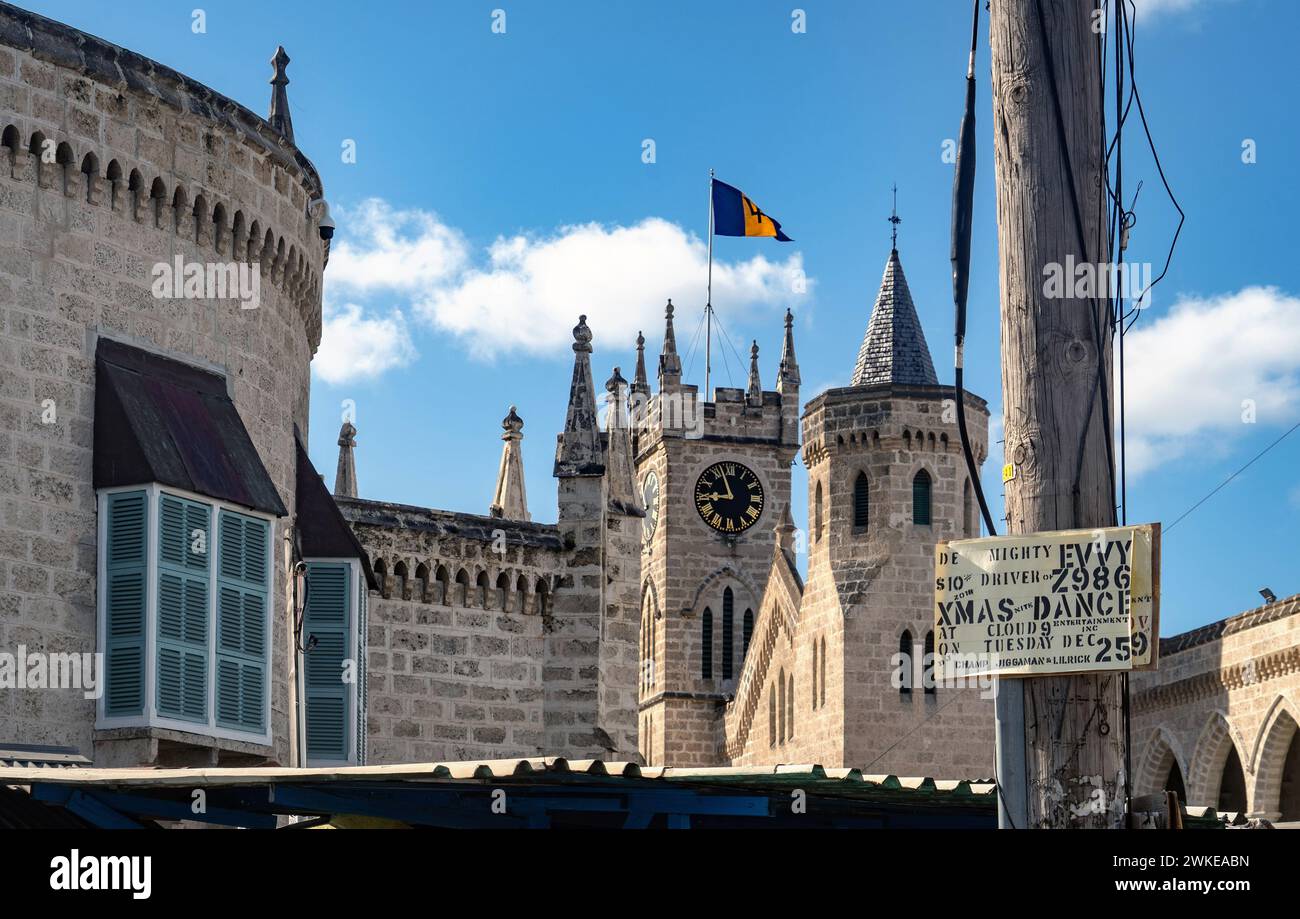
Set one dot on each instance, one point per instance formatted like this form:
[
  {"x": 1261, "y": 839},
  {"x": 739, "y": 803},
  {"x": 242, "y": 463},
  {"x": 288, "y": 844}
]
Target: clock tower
[{"x": 715, "y": 478}]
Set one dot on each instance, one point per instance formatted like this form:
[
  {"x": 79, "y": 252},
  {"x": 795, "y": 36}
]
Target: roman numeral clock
[{"x": 729, "y": 498}]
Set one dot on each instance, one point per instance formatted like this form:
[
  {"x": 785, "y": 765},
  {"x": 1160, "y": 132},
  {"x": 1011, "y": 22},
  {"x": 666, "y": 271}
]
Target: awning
[
  {"x": 159, "y": 420},
  {"x": 322, "y": 531}
]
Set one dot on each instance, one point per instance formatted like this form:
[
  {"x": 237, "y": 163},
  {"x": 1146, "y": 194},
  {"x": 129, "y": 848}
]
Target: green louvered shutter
[
  {"x": 328, "y": 620},
  {"x": 242, "y": 590},
  {"x": 184, "y": 538},
  {"x": 126, "y": 567}
]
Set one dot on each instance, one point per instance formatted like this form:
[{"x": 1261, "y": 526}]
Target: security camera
[{"x": 326, "y": 222}]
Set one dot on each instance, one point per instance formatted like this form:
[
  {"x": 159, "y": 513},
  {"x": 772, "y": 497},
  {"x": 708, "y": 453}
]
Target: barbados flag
[{"x": 734, "y": 214}]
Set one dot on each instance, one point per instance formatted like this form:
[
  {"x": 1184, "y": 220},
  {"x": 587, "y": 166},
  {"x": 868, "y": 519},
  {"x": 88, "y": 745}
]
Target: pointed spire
[
  {"x": 618, "y": 462},
  {"x": 578, "y": 451},
  {"x": 670, "y": 365},
  {"x": 894, "y": 348},
  {"x": 345, "y": 478},
  {"x": 510, "y": 500},
  {"x": 639, "y": 383},
  {"x": 788, "y": 375},
  {"x": 279, "y": 116},
  {"x": 754, "y": 394}
]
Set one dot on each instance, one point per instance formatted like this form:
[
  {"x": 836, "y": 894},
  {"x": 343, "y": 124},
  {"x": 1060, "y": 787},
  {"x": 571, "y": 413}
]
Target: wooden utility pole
[{"x": 1047, "y": 124}]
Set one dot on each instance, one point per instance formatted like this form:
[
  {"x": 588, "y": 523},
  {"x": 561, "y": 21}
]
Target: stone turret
[
  {"x": 510, "y": 500},
  {"x": 345, "y": 478}
]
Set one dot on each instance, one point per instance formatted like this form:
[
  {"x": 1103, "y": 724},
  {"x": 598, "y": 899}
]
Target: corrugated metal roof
[{"x": 495, "y": 770}]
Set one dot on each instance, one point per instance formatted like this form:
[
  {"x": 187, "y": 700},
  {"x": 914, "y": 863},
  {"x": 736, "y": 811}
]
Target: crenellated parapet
[{"x": 178, "y": 167}]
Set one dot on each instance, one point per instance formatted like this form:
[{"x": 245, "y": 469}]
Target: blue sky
[{"x": 499, "y": 190}]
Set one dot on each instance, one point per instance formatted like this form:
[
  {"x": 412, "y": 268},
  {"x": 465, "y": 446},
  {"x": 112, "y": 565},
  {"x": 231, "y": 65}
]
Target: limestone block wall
[
  {"x": 109, "y": 164},
  {"x": 457, "y": 631},
  {"x": 863, "y": 581},
  {"x": 1232, "y": 686}
]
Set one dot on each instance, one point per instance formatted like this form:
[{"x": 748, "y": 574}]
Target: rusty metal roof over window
[{"x": 160, "y": 420}]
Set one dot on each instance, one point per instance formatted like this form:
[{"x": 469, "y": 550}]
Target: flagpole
[{"x": 708, "y": 302}]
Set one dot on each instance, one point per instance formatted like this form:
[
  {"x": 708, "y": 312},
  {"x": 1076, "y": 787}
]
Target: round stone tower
[{"x": 118, "y": 176}]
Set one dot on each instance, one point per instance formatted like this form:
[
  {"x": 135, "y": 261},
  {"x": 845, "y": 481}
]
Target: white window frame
[
  {"x": 151, "y": 718},
  {"x": 357, "y": 585}
]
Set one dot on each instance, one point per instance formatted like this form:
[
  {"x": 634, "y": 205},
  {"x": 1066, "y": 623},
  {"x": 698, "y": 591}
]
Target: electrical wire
[{"x": 1220, "y": 486}]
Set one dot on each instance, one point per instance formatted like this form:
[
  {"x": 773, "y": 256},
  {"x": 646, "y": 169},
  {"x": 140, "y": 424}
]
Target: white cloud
[
  {"x": 524, "y": 293},
  {"x": 380, "y": 248},
  {"x": 1191, "y": 372},
  {"x": 355, "y": 345},
  {"x": 1147, "y": 9},
  {"x": 533, "y": 288}
]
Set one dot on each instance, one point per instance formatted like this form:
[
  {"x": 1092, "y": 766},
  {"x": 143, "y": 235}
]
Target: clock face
[
  {"x": 729, "y": 497},
  {"x": 650, "y": 493}
]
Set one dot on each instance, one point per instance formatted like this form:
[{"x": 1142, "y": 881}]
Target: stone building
[
  {"x": 162, "y": 251},
  {"x": 1217, "y": 721}
]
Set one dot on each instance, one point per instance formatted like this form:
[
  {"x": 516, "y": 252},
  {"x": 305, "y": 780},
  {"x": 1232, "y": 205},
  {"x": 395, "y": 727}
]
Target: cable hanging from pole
[{"x": 963, "y": 192}]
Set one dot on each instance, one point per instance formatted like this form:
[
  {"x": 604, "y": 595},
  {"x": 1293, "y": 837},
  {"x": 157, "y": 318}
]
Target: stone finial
[
  {"x": 670, "y": 365},
  {"x": 578, "y": 452},
  {"x": 788, "y": 375},
  {"x": 754, "y": 394},
  {"x": 279, "y": 115},
  {"x": 639, "y": 382},
  {"x": 582, "y": 335},
  {"x": 510, "y": 501},
  {"x": 345, "y": 478}
]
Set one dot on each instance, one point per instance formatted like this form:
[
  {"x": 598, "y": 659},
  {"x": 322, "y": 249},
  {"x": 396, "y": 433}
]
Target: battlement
[
  {"x": 890, "y": 415},
  {"x": 125, "y": 136}
]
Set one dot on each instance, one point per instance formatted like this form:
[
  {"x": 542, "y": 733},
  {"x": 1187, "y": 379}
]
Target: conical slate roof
[{"x": 894, "y": 348}]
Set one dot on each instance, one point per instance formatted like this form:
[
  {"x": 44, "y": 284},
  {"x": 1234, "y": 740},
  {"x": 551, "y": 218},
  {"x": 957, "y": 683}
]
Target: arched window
[
  {"x": 1232, "y": 787},
  {"x": 728, "y": 632},
  {"x": 970, "y": 526},
  {"x": 861, "y": 501},
  {"x": 747, "y": 633},
  {"x": 780, "y": 708},
  {"x": 706, "y": 641},
  {"x": 771, "y": 716},
  {"x": 821, "y": 683},
  {"x": 814, "y": 675},
  {"x": 789, "y": 701},
  {"x": 927, "y": 665},
  {"x": 905, "y": 663},
  {"x": 921, "y": 499},
  {"x": 817, "y": 512}
]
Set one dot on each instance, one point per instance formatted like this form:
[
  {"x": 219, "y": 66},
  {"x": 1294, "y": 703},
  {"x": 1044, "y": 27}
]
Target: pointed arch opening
[
  {"x": 706, "y": 644},
  {"x": 861, "y": 502},
  {"x": 904, "y": 663},
  {"x": 921, "y": 498},
  {"x": 728, "y": 633}
]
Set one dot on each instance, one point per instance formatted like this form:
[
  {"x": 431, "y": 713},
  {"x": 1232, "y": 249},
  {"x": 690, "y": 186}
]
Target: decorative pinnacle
[
  {"x": 581, "y": 335},
  {"x": 348, "y": 435},
  {"x": 616, "y": 384},
  {"x": 512, "y": 423},
  {"x": 279, "y": 114},
  {"x": 895, "y": 219}
]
